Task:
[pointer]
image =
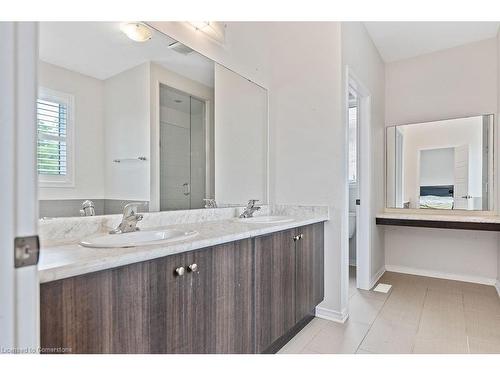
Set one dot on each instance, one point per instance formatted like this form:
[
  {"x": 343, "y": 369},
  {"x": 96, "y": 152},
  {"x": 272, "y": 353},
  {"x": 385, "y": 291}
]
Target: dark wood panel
[
  {"x": 129, "y": 299},
  {"x": 137, "y": 308},
  {"x": 309, "y": 270},
  {"x": 495, "y": 227},
  {"x": 274, "y": 287},
  {"x": 199, "y": 303},
  {"x": 232, "y": 283},
  {"x": 76, "y": 313},
  {"x": 280, "y": 342},
  {"x": 166, "y": 300}
]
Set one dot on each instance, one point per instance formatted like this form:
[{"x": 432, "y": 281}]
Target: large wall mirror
[
  {"x": 150, "y": 121},
  {"x": 445, "y": 165}
]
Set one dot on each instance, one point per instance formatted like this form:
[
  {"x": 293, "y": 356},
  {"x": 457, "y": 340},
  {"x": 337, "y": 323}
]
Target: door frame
[
  {"x": 19, "y": 292},
  {"x": 363, "y": 211}
]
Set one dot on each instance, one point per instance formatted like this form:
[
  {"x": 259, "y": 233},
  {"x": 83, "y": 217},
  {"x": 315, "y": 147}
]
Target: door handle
[{"x": 187, "y": 188}]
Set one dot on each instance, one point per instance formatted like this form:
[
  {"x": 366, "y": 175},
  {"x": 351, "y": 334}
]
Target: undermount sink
[
  {"x": 139, "y": 238},
  {"x": 266, "y": 219}
]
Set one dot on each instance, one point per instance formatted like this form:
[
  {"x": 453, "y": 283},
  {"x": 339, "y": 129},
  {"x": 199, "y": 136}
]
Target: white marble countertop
[
  {"x": 440, "y": 217},
  {"x": 67, "y": 260}
]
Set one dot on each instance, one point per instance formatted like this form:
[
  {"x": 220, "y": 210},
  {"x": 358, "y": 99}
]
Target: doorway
[
  {"x": 357, "y": 217},
  {"x": 353, "y": 149},
  {"x": 182, "y": 150}
]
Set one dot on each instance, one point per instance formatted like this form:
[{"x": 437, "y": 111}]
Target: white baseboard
[
  {"x": 441, "y": 275},
  {"x": 377, "y": 276},
  {"x": 497, "y": 286},
  {"x": 334, "y": 316}
]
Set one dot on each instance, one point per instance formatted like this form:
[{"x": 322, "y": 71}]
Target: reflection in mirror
[
  {"x": 120, "y": 120},
  {"x": 445, "y": 164}
]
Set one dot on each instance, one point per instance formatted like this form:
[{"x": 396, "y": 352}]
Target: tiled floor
[{"x": 418, "y": 315}]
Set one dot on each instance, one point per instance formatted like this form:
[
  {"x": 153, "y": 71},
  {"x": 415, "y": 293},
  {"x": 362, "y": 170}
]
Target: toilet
[{"x": 352, "y": 223}]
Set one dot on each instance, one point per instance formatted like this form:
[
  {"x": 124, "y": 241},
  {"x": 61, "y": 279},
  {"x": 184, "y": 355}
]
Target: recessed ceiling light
[{"x": 136, "y": 31}]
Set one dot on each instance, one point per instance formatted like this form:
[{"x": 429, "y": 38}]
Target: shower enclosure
[{"x": 182, "y": 150}]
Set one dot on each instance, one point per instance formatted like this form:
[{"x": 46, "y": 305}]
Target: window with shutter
[{"x": 54, "y": 125}]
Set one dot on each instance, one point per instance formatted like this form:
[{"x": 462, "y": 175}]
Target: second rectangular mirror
[{"x": 445, "y": 164}]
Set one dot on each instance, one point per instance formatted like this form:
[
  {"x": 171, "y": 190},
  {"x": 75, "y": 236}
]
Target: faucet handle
[
  {"x": 210, "y": 203},
  {"x": 251, "y": 202},
  {"x": 131, "y": 208}
]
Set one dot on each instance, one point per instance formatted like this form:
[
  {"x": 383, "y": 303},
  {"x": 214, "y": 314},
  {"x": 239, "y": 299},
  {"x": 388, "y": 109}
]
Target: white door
[
  {"x": 461, "y": 196},
  {"x": 18, "y": 185}
]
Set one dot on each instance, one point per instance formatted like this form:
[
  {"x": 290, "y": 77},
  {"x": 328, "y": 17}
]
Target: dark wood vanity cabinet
[
  {"x": 274, "y": 287},
  {"x": 288, "y": 283},
  {"x": 239, "y": 297},
  {"x": 309, "y": 262}
]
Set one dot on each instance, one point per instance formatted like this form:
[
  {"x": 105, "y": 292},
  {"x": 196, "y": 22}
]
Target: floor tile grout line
[
  {"x": 419, "y": 320},
  {"x": 311, "y": 339},
  {"x": 465, "y": 322},
  {"x": 371, "y": 324}
]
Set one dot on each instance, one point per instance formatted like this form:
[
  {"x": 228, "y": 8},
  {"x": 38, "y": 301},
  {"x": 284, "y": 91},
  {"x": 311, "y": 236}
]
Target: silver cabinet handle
[
  {"x": 193, "y": 267},
  {"x": 179, "y": 271}
]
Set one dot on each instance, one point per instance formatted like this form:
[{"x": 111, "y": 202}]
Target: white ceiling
[
  {"x": 101, "y": 50},
  {"x": 402, "y": 40}
]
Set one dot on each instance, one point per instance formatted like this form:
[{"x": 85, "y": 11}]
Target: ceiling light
[
  {"x": 214, "y": 30},
  {"x": 136, "y": 31}
]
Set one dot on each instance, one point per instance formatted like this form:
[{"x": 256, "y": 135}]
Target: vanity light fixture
[
  {"x": 136, "y": 31},
  {"x": 213, "y": 30}
]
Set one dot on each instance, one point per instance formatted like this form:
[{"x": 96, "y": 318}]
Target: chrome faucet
[
  {"x": 210, "y": 203},
  {"x": 250, "y": 209},
  {"x": 130, "y": 218},
  {"x": 88, "y": 208}
]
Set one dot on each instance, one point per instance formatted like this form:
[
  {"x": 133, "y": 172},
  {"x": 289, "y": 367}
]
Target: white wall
[
  {"x": 437, "y": 166},
  {"x": 241, "y": 139},
  {"x": 88, "y": 142},
  {"x": 361, "y": 56},
  {"x": 127, "y": 134},
  {"x": 458, "y": 254},
  {"x": 452, "y": 83},
  {"x": 457, "y": 82}
]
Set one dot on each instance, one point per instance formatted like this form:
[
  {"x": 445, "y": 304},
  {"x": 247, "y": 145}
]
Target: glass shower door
[{"x": 182, "y": 150}]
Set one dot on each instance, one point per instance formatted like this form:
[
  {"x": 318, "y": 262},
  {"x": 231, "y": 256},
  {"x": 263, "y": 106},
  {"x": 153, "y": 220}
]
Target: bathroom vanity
[
  {"x": 249, "y": 295},
  {"x": 178, "y": 132}
]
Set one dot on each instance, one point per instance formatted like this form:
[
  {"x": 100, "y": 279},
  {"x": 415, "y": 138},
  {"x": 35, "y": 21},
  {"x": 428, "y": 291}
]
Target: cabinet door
[
  {"x": 138, "y": 308},
  {"x": 219, "y": 310},
  {"x": 75, "y": 314},
  {"x": 233, "y": 297},
  {"x": 199, "y": 302},
  {"x": 165, "y": 303},
  {"x": 309, "y": 270},
  {"x": 274, "y": 287}
]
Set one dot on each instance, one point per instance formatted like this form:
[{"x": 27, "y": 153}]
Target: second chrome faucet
[
  {"x": 250, "y": 209},
  {"x": 130, "y": 218}
]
